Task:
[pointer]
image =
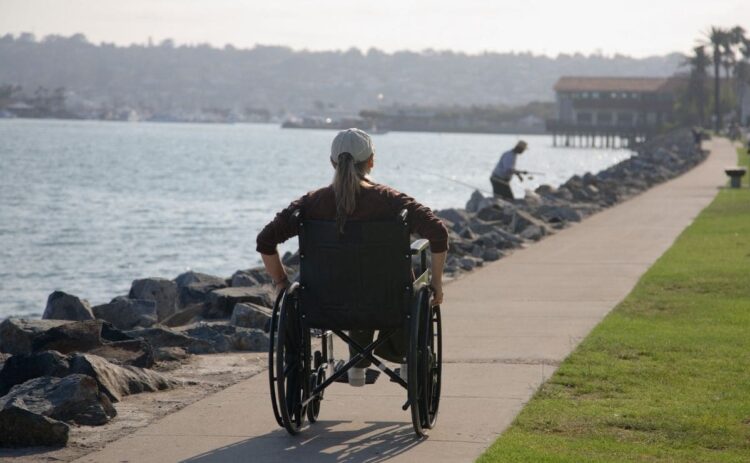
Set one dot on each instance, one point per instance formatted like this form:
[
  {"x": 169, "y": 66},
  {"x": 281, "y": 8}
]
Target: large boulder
[
  {"x": 472, "y": 205},
  {"x": 491, "y": 254},
  {"x": 160, "y": 290},
  {"x": 20, "y": 368},
  {"x": 185, "y": 316},
  {"x": 194, "y": 287},
  {"x": 532, "y": 232},
  {"x": 191, "y": 277},
  {"x": 163, "y": 337},
  {"x": 458, "y": 217},
  {"x": 545, "y": 190},
  {"x": 252, "y": 340},
  {"x": 118, "y": 381},
  {"x": 32, "y": 413},
  {"x": 497, "y": 213},
  {"x": 24, "y": 428},
  {"x": 522, "y": 220},
  {"x": 222, "y": 301},
  {"x": 249, "y": 315},
  {"x": 243, "y": 278},
  {"x": 133, "y": 352},
  {"x": 503, "y": 239},
  {"x": 218, "y": 338},
  {"x": 225, "y": 338},
  {"x": 18, "y": 334},
  {"x": 126, "y": 313},
  {"x": 467, "y": 263},
  {"x": 481, "y": 227},
  {"x": 291, "y": 259},
  {"x": 559, "y": 213},
  {"x": 64, "y": 306},
  {"x": 70, "y": 337}
]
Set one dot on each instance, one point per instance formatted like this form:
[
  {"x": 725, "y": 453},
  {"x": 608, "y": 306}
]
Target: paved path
[{"x": 506, "y": 327}]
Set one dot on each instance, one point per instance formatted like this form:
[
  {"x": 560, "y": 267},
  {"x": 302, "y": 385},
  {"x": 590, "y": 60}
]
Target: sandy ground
[{"x": 202, "y": 375}]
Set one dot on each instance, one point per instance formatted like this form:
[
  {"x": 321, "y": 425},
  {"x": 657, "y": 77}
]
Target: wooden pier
[{"x": 590, "y": 136}]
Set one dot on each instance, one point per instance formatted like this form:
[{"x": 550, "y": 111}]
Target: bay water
[{"x": 87, "y": 206}]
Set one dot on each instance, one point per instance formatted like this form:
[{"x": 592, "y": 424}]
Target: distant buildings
[{"x": 612, "y": 109}]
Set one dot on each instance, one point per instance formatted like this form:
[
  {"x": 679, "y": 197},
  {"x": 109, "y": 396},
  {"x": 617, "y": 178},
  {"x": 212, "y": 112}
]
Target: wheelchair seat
[{"x": 361, "y": 279}]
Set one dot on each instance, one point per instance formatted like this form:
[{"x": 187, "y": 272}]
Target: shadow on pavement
[{"x": 324, "y": 441}]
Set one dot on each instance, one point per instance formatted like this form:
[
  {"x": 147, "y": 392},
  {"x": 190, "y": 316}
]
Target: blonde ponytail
[{"x": 346, "y": 185}]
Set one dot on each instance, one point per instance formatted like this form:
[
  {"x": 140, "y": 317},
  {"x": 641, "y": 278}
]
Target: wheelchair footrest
[{"x": 371, "y": 375}]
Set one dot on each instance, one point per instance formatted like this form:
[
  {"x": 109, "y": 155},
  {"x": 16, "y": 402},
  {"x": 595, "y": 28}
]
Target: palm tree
[
  {"x": 734, "y": 40},
  {"x": 698, "y": 63},
  {"x": 742, "y": 75},
  {"x": 717, "y": 37}
]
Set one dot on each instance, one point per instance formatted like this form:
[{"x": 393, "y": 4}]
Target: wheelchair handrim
[
  {"x": 433, "y": 374},
  {"x": 414, "y": 383},
  {"x": 292, "y": 420},
  {"x": 271, "y": 360}
]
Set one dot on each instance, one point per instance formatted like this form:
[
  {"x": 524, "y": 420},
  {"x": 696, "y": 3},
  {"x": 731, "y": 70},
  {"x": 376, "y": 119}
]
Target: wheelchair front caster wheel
[{"x": 313, "y": 408}]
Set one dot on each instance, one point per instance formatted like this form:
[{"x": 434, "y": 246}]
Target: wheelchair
[{"x": 363, "y": 279}]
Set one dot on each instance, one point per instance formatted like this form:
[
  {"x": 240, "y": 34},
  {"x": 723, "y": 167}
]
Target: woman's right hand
[{"x": 437, "y": 295}]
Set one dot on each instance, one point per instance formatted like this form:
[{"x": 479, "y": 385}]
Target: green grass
[{"x": 666, "y": 376}]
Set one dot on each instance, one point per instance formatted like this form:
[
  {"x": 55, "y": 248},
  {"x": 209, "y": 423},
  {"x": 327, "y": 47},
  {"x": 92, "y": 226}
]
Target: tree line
[
  {"x": 728, "y": 51},
  {"x": 167, "y": 77}
]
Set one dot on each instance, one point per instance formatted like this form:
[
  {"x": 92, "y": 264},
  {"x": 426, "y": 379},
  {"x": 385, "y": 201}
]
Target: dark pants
[
  {"x": 392, "y": 350},
  {"x": 501, "y": 188}
]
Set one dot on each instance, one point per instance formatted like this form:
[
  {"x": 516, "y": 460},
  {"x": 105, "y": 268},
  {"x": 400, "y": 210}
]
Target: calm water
[{"x": 86, "y": 207}]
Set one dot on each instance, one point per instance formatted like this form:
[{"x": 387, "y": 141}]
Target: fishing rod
[
  {"x": 469, "y": 185},
  {"x": 450, "y": 179}
]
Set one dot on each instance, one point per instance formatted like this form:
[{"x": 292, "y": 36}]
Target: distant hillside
[{"x": 167, "y": 77}]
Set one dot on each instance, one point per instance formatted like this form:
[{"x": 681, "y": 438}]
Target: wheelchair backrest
[{"x": 360, "y": 279}]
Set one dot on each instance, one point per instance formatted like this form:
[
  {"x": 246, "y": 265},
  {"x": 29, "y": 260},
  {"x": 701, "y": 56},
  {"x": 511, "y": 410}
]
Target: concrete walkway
[{"x": 506, "y": 327}]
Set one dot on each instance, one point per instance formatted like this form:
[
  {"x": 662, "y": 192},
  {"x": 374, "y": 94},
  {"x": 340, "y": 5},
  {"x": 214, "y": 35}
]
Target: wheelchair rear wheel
[
  {"x": 424, "y": 363},
  {"x": 292, "y": 364}
]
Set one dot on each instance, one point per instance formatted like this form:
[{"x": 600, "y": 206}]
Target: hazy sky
[{"x": 634, "y": 27}]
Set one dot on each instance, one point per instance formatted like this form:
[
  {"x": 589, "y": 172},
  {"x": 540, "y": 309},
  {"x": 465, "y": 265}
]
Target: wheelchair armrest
[{"x": 418, "y": 246}]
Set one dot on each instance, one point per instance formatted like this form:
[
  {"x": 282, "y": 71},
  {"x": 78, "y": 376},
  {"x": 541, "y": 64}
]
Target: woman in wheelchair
[{"x": 354, "y": 197}]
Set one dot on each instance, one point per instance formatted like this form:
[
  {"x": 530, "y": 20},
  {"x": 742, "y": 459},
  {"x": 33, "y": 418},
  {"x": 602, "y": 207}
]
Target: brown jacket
[{"x": 377, "y": 202}]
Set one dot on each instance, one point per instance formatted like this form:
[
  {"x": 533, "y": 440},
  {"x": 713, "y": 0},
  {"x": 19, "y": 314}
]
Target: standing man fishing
[{"x": 504, "y": 171}]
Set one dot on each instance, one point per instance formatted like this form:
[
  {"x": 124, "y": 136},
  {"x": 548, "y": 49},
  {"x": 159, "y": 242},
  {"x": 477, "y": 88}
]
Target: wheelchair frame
[{"x": 298, "y": 377}]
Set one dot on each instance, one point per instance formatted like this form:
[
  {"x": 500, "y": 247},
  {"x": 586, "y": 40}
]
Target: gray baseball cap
[{"x": 353, "y": 141}]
